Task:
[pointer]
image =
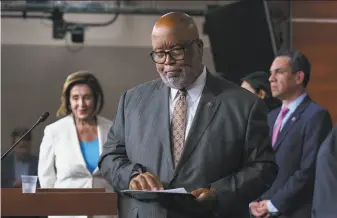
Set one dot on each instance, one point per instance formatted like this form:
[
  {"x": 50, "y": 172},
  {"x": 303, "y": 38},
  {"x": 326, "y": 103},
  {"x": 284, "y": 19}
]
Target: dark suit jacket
[
  {"x": 296, "y": 150},
  {"x": 325, "y": 194},
  {"x": 272, "y": 103},
  {"x": 8, "y": 167},
  {"x": 228, "y": 147}
]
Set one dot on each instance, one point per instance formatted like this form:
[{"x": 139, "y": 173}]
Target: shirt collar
[
  {"x": 294, "y": 104},
  {"x": 194, "y": 90}
]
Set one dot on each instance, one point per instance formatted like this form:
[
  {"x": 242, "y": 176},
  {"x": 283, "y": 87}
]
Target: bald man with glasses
[{"x": 188, "y": 129}]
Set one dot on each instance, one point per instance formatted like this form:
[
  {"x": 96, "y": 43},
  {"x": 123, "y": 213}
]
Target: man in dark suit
[
  {"x": 297, "y": 129},
  {"x": 21, "y": 162},
  {"x": 188, "y": 129},
  {"x": 325, "y": 194}
]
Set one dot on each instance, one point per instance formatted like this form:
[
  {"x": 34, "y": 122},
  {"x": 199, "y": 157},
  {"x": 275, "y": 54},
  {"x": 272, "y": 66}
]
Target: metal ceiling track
[{"x": 26, "y": 10}]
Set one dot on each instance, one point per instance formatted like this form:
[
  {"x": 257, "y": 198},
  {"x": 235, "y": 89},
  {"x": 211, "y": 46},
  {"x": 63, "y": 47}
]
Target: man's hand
[
  {"x": 206, "y": 196},
  {"x": 17, "y": 183},
  {"x": 203, "y": 194},
  {"x": 253, "y": 209},
  {"x": 263, "y": 208},
  {"x": 259, "y": 209},
  {"x": 145, "y": 181}
]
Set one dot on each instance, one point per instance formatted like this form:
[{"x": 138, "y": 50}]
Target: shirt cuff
[
  {"x": 134, "y": 174},
  {"x": 271, "y": 207},
  {"x": 137, "y": 169}
]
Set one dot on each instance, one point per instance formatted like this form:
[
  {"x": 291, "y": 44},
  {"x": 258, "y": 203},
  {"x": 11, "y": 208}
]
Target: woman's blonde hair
[{"x": 81, "y": 77}]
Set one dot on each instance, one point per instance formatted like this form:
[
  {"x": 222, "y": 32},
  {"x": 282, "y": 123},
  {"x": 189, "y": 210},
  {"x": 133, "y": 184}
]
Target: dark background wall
[{"x": 314, "y": 32}]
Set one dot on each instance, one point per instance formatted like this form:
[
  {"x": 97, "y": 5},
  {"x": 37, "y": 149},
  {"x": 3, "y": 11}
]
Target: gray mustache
[{"x": 173, "y": 69}]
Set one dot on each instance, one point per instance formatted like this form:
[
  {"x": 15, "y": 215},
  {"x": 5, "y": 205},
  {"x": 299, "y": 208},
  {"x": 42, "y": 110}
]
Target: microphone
[{"x": 42, "y": 118}]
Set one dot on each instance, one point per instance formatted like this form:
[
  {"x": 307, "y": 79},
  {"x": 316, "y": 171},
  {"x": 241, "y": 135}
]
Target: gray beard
[{"x": 175, "y": 82}]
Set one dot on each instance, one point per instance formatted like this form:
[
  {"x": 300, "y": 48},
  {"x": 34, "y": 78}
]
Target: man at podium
[{"x": 188, "y": 129}]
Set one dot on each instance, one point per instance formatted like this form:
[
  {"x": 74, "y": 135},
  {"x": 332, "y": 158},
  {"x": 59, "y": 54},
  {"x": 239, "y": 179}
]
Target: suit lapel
[
  {"x": 272, "y": 120},
  {"x": 206, "y": 109},
  {"x": 162, "y": 122},
  {"x": 291, "y": 121}
]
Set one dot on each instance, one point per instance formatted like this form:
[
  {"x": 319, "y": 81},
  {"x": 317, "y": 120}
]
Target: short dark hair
[
  {"x": 81, "y": 77},
  {"x": 19, "y": 131},
  {"x": 258, "y": 80},
  {"x": 298, "y": 62}
]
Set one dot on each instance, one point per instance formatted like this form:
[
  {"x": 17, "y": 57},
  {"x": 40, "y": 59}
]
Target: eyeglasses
[{"x": 176, "y": 54}]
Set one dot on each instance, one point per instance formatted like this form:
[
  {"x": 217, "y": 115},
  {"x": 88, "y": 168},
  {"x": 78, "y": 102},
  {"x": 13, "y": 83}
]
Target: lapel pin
[
  {"x": 293, "y": 119},
  {"x": 209, "y": 104}
]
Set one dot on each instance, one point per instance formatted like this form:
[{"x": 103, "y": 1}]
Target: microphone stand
[{"x": 41, "y": 119}]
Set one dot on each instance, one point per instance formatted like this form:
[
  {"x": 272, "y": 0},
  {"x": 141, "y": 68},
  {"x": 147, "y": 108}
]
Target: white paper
[{"x": 176, "y": 190}]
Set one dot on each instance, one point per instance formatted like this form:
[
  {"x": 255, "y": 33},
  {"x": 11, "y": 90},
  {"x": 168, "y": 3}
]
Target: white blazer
[{"x": 61, "y": 163}]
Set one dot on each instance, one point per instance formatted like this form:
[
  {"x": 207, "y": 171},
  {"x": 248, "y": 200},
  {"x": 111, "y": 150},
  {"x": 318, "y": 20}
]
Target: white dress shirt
[{"x": 194, "y": 92}]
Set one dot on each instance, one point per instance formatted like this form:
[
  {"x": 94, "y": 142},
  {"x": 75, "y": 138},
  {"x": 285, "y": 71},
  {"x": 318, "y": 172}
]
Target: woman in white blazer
[{"x": 71, "y": 146}]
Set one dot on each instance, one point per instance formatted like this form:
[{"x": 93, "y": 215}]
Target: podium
[{"x": 58, "y": 202}]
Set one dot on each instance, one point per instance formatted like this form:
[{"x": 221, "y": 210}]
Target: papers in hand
[
  {"x": 176, "y": 190},
  {"x": 155, "y": 195}
]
